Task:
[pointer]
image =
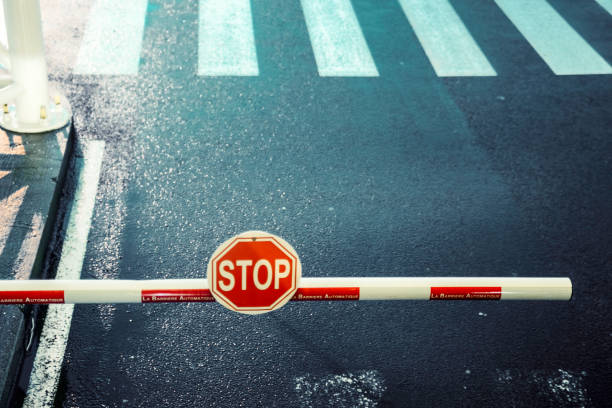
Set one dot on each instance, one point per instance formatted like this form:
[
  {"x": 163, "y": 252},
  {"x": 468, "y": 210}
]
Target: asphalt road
[{"x": 404, "y": 174}]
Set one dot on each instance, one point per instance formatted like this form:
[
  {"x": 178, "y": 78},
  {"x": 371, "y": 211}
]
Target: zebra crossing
[{"x": 227, "y": 41}]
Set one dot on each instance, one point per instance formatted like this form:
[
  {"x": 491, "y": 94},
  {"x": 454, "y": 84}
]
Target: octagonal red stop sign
[{"x": 254, "y": 272}]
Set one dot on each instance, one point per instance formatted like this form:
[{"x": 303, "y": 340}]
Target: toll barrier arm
[{"x": 310, "y": 289}]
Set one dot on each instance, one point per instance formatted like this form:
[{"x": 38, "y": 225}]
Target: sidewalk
[{"x": 32, "y": 168}]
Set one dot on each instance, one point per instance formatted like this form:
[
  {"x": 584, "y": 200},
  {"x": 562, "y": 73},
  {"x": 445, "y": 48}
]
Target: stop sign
[{"x": 254, "y": 272}]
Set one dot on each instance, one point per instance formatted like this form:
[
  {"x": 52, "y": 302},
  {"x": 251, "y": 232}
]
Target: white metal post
[
  {"x": 27, "y": 54},
  {"x": 32, "y": 110}
]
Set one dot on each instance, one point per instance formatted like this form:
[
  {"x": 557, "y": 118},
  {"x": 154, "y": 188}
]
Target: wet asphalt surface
[{"x": 407, "y": 174}]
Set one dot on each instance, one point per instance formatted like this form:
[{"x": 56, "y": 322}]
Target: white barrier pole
[
  {"x": 310, "y": 289},
  {"x": 33, "y": 110}
]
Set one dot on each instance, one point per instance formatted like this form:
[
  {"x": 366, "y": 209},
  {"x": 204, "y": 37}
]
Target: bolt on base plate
[{"x": 55, "y": 115}]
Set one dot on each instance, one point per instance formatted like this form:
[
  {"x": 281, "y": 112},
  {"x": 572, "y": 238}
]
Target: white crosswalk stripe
[
  {"x": 606, "y": 4},
  {"x": 337, "y": 41},
  {"x": 226, "y": 44},
  {"x": 559, "y": 45},
  {"x": 448, "y": 44},
  {"x": 113, "y": 38}
]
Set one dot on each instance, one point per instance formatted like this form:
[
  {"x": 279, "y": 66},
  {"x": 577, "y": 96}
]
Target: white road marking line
[
  {"x": 559, "y": 45},
  {"x": 113, "y": 38},
  {"x": 226, "y": 43},
  {"x": 79, "y": 220},
  {"x": 337, "y": 41},
  {"x": 448, "y": 44},
  {"x": 48, "y": 362},
  {"x": 606, "y": 4}
]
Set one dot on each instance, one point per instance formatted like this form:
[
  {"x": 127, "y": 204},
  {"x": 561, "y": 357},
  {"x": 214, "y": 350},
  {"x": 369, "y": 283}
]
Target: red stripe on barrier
[
  {"x": 465, "y": 293},
  {"x": 31, "y": 297},
  {"x": 334, "y": 294},
  {"x": 176, "y": 295}
]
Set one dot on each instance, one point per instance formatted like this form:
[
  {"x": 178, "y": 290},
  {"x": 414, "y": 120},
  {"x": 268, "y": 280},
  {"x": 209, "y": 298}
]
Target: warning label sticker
[
  {"x": 31, "y": 297},
  {"x": 465, "y": 293},
  {"x": 176, "y": 295},
  {"x": 332, "y": 294}
]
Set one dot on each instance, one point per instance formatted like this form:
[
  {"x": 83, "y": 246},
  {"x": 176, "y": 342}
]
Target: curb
[{"x": 20, "y": 320}]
